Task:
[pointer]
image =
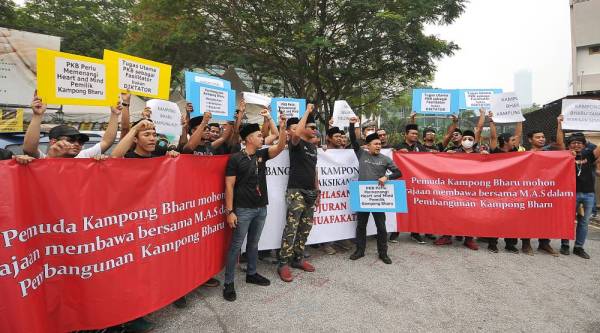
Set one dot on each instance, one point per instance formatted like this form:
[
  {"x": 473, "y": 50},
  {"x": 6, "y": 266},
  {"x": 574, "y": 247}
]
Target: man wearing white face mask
[{"x": 467, "y": 146}]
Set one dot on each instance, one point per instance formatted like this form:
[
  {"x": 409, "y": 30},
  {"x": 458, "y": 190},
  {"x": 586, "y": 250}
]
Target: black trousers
[
  {"x": 361, "y": 232},
  {"x": 513, "y": 241}
]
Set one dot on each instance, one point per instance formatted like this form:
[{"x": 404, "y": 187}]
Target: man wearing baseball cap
[
  {"x": 66, "y": 141},
  {"x": 585, "y": 192}
]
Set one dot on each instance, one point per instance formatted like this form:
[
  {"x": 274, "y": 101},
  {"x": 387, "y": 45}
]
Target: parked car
[{"x": 14, "y": 142}]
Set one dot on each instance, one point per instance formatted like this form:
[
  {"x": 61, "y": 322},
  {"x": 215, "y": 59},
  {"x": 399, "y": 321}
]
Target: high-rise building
[
  {"x": 585, "y": 45},
  {"x": 523, "y": 85}
]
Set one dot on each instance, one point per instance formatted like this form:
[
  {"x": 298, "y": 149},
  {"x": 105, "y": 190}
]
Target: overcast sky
[{"x": 500, "y": 37}]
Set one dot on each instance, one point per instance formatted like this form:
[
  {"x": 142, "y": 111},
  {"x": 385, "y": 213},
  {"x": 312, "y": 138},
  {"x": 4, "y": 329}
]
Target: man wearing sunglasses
[
  {"x": 66, "y": 141},
  {"x": 302, "y": 194}
]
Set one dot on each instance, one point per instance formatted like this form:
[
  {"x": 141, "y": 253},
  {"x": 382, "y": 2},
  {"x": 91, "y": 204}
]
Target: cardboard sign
[
  {"x": 258, "y": 99},
  {"x": 141, "y": 77},
  {"x": 506, "y": 108},
  {"x": 581, "y": 114},
  {"x": 65, "y": 78},
  {"x": 368, "y": 196},
  {"x": 18, "y": 64},
  {"x": 219, "y": 101},
  {"x": 166, "y": 117},
  {"x": 435, "y": 101},
  {"x": 342, "y": 112},
  {"x": 193, "y": 79},
  {"x": 290, "y": 107},
  {"x": 475, "y": 99},
  {"x": 11, "y": 120}
]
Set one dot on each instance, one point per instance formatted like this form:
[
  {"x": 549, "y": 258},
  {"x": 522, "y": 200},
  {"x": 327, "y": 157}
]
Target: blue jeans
[
  {"x": 581, "y": 232},
  {"x": 250, "y": 221}
]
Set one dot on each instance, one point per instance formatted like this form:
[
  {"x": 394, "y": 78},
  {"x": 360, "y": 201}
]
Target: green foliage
[
  {"x": 324, "y": 50},
  {"x": 86, "y": 26}
]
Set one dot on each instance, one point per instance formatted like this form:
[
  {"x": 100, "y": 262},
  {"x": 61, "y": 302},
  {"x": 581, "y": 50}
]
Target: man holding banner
[
  {"x": 302, "y": 195},
  {"x": 246, "y": 200},
  {"x": 468, "y": 146},
  {"x": 66, "y": 141},
  {"x": 585, "y": 191},
  {"x": 372, "y": 165}
]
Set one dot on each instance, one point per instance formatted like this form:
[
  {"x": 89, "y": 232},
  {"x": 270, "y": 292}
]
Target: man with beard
[
  {"x": 372, "y": 166},
  {"x": 334, "y": 138},
  {"x": 246, "y": 201}
]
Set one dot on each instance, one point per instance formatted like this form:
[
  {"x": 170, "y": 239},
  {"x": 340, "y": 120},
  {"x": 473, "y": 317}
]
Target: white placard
[
  {"x": 478, "y": 98},
  {"x": 138, "y": 77},
  {"x": 342, "y": 112},
  {"x": 377, "y": 197},
  {"x": 506, "y": 108},
  {"x": 289, "y": 109},
  {"x": 166, "y": 117},
  {"x": 581, "y": 114},
  {"x": 80, "y": 79},
  {"x": 214, "y": 101},
  {"x": 252, "y": 98},
  {"x": 18, "y": 63},
  {"x": 333, "y": 219},
  {"x": 436, "y": 102}
]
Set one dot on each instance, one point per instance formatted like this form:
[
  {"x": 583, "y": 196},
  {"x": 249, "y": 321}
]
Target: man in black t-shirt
[
  {"x": 246, "y": 200},
  {"x": 200, "y": 138},
  {"x": 410, "y": 144},
  {"x": 503, "y": 143},
  {"x": 143, "y": 135},
  {"x": 411, "y": 140},
  {"x": 584, "y": 171},
  {"x": 429, "y": 141},
  {"x": 302, "y": 195}
]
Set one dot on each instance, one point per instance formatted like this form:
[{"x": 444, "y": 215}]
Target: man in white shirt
[{"x": 66, "y": 141}]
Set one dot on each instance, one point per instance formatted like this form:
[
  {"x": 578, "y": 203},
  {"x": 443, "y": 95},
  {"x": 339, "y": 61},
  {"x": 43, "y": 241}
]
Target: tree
[
  {"x": 533, "y": 107},
  {"x": 87, "y": 27},
  {"x": 8, "y": 15},
  {"x": 323, "y": 50}
]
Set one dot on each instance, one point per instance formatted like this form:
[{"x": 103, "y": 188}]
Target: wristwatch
[{"x": 228, "y": 211}]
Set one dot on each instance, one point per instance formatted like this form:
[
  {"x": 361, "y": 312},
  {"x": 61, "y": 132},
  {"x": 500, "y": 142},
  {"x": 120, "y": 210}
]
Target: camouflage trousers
[{"x": 301, "y": 207}]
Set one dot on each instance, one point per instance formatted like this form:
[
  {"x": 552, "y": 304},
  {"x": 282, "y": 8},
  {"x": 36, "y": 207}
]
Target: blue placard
[
  {"x": 441, "y": 101},
  {"x": 475, "y": 102},
  {"x": 288, "y": 105},
  {"x": 194, "y": 98},
  {"x": 399, "y": 205},
  {"x": 192, "y": 79}
]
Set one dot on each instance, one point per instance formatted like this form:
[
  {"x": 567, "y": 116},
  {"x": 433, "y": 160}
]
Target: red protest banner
[
  {"x": 529, "y": 195},
  {"x": 87, "y": 244}
]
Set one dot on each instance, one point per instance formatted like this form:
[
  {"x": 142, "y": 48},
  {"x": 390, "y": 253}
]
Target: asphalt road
[{"x": 427, "y": 288}]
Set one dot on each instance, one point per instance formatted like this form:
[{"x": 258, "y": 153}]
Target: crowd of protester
[{"x": 246, "y": 194}]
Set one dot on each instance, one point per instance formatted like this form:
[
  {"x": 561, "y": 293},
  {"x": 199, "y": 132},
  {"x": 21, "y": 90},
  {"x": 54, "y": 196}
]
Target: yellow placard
[
  {"x": 64, "y": 78},
  {"x": 141, "y": 77},
  {"x": 11, "y": 120}
]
